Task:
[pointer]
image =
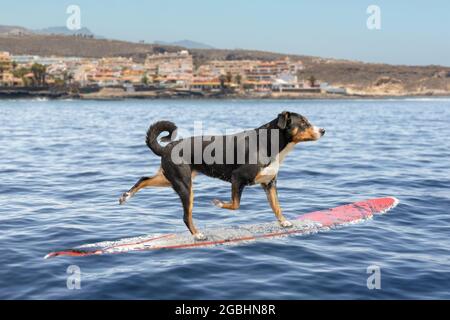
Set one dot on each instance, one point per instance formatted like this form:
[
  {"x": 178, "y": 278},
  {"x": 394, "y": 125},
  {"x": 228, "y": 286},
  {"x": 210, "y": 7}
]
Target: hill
[
  {"x": 359, "y": 77},
  {"x": 60, "y": 45},
  {"x": 188, "y": 44},
  {"x": 65, "y": 31},
  {"x": 13, "y": 30}
]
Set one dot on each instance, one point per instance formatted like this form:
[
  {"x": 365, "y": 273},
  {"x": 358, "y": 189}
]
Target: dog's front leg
[
  {"x": 272, "y": 196},
  {"x": 236, "y": 193}
]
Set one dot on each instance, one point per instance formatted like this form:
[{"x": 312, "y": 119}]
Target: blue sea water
[{"x": 64, "y": 164}]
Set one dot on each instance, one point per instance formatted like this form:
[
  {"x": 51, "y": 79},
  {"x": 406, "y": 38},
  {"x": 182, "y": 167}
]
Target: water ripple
[{"x": 65, "y": 163}]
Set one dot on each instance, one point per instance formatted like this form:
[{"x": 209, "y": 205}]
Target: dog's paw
[
  {"x": 286, "y": 224},
  {"x": 218, "y": 203},
  {"x": 199, "y": 236},
  {"x": 125, "y": 196}
]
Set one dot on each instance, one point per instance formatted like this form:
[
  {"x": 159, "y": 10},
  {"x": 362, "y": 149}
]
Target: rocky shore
[{"x": 119, "y": 94}]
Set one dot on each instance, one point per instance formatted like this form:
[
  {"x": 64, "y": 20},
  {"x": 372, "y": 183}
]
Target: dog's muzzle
[{"x": 319, "y": 132}]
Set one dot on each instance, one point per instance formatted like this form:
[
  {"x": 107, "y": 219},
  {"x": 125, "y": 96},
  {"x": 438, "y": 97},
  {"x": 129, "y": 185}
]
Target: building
[
  {"x": 6, "y": 76},
  {"x": 83, "y": 72},
  {"x": 285, "y": 82},
  {"x": 176, "y": 66},
  {"x": 215, "y": 68},
  {"x": 212, "y": 85},
  {"x": 166, "y": 71},
  {"x": 28, "y": 60},
  {"x": 326, "y": 88},
  {"x": 134, "y": 74},
  {"x": 270, "y": 70},
  {"x": 110, "y": 71},
  {"x": 257, "y": 86}
]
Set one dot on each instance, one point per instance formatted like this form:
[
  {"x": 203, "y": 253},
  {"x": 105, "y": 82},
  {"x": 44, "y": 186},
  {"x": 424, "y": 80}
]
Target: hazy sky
[{"x": 412, "y": 32}]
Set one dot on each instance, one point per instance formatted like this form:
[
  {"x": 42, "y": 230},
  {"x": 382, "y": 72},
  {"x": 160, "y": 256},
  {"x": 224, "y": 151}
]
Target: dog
[{"x": 244, "y": 165}]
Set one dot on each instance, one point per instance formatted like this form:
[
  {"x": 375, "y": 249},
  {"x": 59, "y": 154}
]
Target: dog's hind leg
[
  {"x": 272, "y": 196},
  {"x": 183, "y": 187},
  {"x": 186, "y": 194},
  {"x": 158, "y": 180},
  {"x": 180, "y": 177}
]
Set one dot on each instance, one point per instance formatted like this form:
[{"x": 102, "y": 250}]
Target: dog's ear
[{"x": 283, "y": 119}]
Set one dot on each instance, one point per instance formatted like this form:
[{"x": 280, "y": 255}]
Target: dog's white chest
[{"x": 268, "y": 173}]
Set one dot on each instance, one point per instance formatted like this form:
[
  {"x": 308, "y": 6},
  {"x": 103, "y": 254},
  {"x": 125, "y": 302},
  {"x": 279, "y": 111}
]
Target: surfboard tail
[{"x": 352, "y": 212}]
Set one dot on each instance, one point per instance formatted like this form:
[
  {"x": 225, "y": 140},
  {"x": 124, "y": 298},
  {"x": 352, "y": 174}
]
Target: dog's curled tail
[{"x": 154, "y": 131}]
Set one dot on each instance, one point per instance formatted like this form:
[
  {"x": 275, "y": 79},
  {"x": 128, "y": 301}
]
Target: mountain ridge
[
  {"x": 188, "y": 44},
  {"x": 65, "y": 31}
]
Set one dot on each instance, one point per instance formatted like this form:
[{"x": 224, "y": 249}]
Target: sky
[{"x": 412, "y": 32}]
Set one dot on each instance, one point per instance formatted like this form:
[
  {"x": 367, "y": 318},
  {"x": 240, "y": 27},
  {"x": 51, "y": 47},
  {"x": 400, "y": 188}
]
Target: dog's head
[{"x": 298, "y": 128}]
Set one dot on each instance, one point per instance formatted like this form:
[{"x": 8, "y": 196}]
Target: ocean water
[{"x": 64, "y": 164}]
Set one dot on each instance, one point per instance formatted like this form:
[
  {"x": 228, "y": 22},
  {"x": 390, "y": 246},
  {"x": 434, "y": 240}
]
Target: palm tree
[
  {"x": 70, "y": 77},
  {"x": 39, "y": 73},
  {"x": 20, "y": 73},
  {"x": 144, "y": 79},
  {"x": 238, "y": 79},
  {"x": 312, "y": 81},
  {"x": 229, "y": 77},
  {"x": 222, "y": 80},
  {"x": 65, "y": 76}
]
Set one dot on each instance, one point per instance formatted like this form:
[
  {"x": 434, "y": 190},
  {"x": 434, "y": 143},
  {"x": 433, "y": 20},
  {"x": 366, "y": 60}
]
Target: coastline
[{"x": 163, "y": 95}]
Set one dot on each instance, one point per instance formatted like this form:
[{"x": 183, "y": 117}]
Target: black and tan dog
[{"x": 234, "y": 160}]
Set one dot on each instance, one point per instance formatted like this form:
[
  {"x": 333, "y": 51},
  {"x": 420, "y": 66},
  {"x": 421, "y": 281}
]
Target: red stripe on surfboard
[
  {"x": 350, "y": 212},
  {"x": 211, "y": 243},
  {"x": 81, "y": 253}
]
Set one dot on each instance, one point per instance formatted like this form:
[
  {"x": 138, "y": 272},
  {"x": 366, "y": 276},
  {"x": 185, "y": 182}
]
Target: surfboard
[{"x": 308, "y": 223}]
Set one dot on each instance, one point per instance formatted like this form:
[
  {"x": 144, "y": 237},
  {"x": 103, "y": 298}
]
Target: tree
[
  {"x": 312, "y": 81},
  {"x": 59, "y": 82},
  {"x": 4, "y": 66},
  {"x": 39, "y": 73},
  {"x": 229, "y": 77},
  {"x": 238, "y": 79},
  {"x": 144, "y": 79},
  {"x": 20, "y": 73},
  {"x": 222, "y": 80},
  {"x": 70, "y": 77}
]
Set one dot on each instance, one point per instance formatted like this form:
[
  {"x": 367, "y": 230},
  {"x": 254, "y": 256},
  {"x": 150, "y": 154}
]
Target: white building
[
  {"x": 285, "y": 81},
  {"x": 171, "y": 66},
  {"x": 325, "y": 87}
]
